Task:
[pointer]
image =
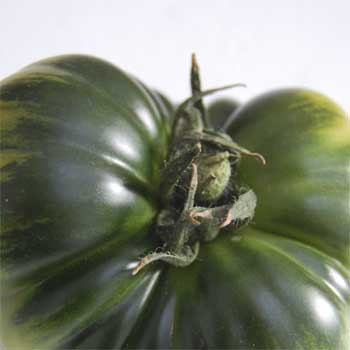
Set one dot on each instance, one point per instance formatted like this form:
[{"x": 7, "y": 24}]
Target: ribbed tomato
[{"x": 82, "y": 148}]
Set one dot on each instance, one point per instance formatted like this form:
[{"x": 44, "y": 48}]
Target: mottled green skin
[
  {"x": 304, "y": 188},
  {"x": 77, "y": 203},
  {"x": 82, "y": 144}
]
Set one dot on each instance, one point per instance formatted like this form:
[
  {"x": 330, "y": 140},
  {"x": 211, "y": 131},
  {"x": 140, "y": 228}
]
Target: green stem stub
[
  {"x": 199, "y": 191},
  {"x": 214, "y": 173}
]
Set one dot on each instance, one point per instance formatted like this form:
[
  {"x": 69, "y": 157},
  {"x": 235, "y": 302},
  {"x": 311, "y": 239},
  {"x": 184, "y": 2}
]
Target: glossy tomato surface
[{"x": 82, "y": 148}]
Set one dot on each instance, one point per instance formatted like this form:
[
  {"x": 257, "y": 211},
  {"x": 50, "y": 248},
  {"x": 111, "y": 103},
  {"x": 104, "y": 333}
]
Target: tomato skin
[
  {"x": 82, "y": 147},
  {"x": 304, "y": 189}
]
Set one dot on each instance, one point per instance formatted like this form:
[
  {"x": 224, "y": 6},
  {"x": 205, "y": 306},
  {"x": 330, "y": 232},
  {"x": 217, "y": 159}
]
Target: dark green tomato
[{"x": 82, "y": 147}]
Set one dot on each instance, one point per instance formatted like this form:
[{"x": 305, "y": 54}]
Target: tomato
[{"x": 83, "y": 146}]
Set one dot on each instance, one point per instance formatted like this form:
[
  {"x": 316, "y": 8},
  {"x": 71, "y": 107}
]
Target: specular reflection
[
  {"x": 122, "y": 143},
  {"x": 323, "y": 309},
  {"x": 114, "y": 191},
  {"x": 146, "y": 118}
]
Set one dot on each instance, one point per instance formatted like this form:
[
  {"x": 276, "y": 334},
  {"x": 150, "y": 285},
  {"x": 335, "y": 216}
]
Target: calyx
[{"x": 200, "y": 192}]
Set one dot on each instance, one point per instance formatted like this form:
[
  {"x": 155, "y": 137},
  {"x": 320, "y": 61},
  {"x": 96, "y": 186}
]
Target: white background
[{"x": 267, "y": 44}]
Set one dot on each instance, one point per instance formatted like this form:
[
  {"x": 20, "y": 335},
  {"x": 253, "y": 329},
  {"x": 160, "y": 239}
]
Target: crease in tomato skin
[{"x": 200, "y": 194}]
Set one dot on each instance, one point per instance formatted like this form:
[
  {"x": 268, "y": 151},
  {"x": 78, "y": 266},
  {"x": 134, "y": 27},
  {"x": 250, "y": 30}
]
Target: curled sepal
[
  {"x": 176, "y": 166},
  {"x": 211, "y": 220},
  {"x": 186, "y": 108},
  {"x": 183, "y": 259},
  {"x": 243, "y": 208},
  {"x": 180, "y": 252},
  {"x": 196, "y": 89},
  {"x": 224, "y": 142}
]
